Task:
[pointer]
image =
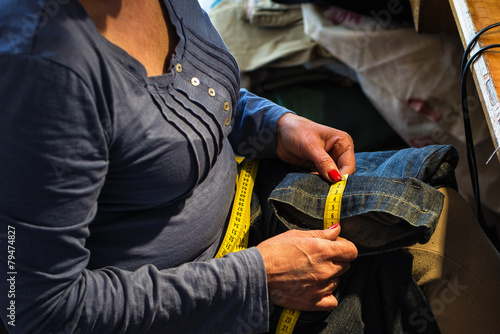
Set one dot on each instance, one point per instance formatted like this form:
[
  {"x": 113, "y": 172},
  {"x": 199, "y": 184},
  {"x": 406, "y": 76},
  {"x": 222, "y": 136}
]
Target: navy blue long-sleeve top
[{"x": 117, "y": 185}]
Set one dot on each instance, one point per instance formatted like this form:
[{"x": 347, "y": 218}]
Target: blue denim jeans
[{"x": 390, "y": 202}]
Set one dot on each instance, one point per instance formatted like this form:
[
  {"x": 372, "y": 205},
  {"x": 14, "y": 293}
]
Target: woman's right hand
[{"x": 303, "y": 267}]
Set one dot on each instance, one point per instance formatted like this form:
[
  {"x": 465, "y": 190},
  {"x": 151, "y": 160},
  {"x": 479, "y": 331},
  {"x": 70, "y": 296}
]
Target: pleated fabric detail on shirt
[{"x": 200, "y": 101}]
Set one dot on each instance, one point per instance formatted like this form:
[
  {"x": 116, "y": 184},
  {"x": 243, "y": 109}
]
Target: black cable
[
  {"x": 471, "y": 154},
  {"x": 473, "y": 42}
]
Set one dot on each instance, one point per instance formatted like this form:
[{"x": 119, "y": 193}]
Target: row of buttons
[{"x": 196, "y": 82}]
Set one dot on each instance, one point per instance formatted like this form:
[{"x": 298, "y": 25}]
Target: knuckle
[
  {"x": 324, "y": 160},
  {"x": 349, "y": 249}
]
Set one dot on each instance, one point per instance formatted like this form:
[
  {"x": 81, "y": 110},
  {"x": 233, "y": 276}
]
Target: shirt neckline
[{"x": 130, "y": 63}]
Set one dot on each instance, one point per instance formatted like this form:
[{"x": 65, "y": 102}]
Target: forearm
[
  {"x": 193, "y": 298},
  {"x": 255, "y": 125}
]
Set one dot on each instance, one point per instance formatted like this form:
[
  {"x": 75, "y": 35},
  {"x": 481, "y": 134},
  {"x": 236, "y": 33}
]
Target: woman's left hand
[{"x": 320, "y": 148}]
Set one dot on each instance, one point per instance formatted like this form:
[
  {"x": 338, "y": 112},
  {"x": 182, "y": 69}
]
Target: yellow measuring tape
[
  {"x": 333, "y": 202},
  {"x": 289, "y": 317},
  {"x": 236, "y": 237}
]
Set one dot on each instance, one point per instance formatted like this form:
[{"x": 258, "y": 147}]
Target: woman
[{"x": 121, "y": 120}]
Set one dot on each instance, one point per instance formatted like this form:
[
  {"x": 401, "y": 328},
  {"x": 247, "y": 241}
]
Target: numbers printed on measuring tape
[
  {"x": 236, "y": 237},
  {"x": 287, "y": 321},
  {"x": 289, "y": 317},
  {"x": 333, "y": 202}
]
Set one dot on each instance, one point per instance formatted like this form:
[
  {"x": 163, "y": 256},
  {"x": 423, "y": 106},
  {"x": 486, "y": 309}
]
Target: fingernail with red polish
[
  {"x": 334, "y": 175},
  {"x": 334, "y": 226}
]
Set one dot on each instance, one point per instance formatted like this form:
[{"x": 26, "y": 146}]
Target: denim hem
[{"x": 388, "y": 214}]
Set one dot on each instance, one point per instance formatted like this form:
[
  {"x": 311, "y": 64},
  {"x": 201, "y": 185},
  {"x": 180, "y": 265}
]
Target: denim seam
[
  {"x": 411, "y": 185},
  {"x": 301, "y": 191},
  {"x": 363, "y": 194},
  {"x": 394, "y": 197}
]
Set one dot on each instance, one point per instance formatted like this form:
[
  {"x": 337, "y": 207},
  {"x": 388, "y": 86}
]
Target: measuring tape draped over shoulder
[{"x": 236, "y": 237}]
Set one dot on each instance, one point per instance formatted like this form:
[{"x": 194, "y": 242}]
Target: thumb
[{"x": 331, "y": 233}]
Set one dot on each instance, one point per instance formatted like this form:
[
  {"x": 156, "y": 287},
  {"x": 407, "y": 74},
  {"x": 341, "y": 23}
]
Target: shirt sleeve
[
  {"x": 53, "y": 163},
  {"x": 255, "y": 126}
]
